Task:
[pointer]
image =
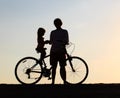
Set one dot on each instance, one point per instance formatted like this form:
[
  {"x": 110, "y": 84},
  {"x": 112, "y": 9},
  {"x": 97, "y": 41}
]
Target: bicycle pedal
[{"x": 28, "y": 76}]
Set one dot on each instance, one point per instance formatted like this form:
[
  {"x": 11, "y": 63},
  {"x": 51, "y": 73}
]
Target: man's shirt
[{"x": 59, "y": 38}]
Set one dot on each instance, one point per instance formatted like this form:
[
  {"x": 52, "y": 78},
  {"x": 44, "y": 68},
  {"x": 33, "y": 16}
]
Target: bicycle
[{"x": 29, "y": 71}]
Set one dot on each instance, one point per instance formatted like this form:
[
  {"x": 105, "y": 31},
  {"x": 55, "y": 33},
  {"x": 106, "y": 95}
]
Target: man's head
[{"x": 58, "y": 23}]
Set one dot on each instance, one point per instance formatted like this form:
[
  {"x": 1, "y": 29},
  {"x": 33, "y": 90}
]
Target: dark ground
[{"x": 60, "y": 91}]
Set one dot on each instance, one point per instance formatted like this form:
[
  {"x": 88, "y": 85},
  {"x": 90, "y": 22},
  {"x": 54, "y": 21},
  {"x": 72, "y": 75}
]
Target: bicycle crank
[{"x": 28, "y": 72}]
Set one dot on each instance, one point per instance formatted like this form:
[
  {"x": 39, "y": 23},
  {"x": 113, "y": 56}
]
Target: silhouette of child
[{"x": 40, "y": 40}]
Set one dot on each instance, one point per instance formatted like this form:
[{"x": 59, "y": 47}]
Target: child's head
[{"x": 41, "y": 31}]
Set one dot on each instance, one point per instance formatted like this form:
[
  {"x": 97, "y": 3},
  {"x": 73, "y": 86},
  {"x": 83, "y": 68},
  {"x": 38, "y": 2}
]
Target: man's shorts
[{"x": 57, "y": 57}]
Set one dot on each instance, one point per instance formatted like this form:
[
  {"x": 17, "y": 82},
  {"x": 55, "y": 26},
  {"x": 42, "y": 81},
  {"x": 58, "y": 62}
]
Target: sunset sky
[{"x": 93, "y": 26}]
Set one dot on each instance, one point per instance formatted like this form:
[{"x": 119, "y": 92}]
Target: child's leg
[{"x": 43, "y": 53}]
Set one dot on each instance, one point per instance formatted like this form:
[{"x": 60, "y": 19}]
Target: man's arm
[{"x": 66, "y": 38}]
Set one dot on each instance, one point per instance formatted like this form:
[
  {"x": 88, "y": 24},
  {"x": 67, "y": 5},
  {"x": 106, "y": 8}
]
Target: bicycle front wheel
[
  {"x": 79, "y": 73},
  {"x": 25, "y": 73}
]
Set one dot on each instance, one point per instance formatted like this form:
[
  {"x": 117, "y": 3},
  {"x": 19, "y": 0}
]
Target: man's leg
[
  {"x": 53, "y": 73},
  {"x": 53, "y": 63},
  {"x": 62, "y": 66},
  {"x": 63, "y": 73}
]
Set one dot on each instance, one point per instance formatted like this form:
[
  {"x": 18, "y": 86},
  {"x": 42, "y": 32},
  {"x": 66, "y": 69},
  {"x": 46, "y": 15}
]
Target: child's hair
[{"x": 41, "y": 31}]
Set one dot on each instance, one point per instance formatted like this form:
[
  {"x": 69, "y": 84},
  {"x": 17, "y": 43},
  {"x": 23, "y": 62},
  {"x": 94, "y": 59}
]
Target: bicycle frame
[
  {"x": 38, "y": 62},
  {"x": 69, "y": 58}
]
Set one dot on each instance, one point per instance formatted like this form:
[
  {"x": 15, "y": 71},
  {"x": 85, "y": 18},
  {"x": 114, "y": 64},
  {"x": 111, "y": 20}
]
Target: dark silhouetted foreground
[{"x": 60, "y": 91}]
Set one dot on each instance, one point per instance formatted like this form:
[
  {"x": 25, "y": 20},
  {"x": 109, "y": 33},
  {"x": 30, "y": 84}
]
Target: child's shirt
[{"x": 40, "y": 46}]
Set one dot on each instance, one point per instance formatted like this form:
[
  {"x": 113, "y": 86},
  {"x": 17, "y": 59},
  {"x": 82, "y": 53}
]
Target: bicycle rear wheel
[
  {"x": 24, "y": 72},
  {"x": 80, "y": 73}
]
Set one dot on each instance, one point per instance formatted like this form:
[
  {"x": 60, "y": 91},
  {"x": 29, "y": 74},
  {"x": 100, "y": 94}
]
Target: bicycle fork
[{"x": 70, "y": 61}]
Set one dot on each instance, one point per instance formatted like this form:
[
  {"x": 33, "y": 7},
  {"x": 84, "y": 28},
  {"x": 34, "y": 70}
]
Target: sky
[{"x": 93, "y": 26}]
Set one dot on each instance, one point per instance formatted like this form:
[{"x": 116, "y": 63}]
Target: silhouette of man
[{"x": 58, "y": 39}]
